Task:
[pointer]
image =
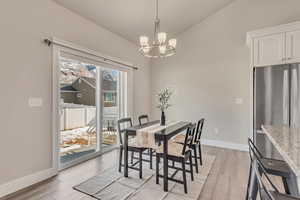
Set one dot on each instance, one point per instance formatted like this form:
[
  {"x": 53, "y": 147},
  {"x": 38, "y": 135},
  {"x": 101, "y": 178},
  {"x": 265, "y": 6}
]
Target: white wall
[
  {"x": 25, "y": 145},
  {"x": 211, "y": 67}
]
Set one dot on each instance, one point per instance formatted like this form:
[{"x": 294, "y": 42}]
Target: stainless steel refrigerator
[{"x": 276, "y": 96}]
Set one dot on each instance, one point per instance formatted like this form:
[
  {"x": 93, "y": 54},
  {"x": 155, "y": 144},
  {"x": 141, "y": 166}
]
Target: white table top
[{"x": 287, "y": 141}]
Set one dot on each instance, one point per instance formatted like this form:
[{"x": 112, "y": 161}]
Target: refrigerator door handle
[
  {"x": 285, "y": 96},
  {"x": 294, "y": 97}
]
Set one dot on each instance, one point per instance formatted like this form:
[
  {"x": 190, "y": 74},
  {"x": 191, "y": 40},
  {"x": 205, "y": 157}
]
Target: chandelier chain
[
  {"x": 156, "y": 22},
  {"x": 156, "y": 11}
]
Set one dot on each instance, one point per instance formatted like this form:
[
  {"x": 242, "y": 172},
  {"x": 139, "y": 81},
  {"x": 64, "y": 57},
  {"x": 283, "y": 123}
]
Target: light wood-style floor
[{"x": 227, "y": 180}]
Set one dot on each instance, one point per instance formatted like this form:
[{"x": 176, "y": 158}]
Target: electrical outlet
[
  {"x": 239, "y": 101},
  {"x": 35, "y": 102}
]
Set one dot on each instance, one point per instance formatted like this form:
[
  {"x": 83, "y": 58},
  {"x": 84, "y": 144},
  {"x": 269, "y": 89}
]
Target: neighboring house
[
  {"x": 82, "y": 91},
  {"x": 109, "y": 90},
  {"x": 69, "y": 94},
  {"x": 86, "y": 87}
]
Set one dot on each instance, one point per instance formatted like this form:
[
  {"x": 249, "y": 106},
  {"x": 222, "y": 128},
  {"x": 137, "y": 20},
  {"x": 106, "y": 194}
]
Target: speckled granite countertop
[{"x": 287, "y": 141}]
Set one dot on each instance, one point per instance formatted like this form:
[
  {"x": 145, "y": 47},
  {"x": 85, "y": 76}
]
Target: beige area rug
[{"x": 111, "y": 185}]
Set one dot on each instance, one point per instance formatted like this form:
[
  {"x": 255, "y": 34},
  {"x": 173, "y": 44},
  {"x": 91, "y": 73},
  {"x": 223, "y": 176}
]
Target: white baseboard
[
  {"x": 26, "y": 181},
  {"x": 227, "y": 145}
]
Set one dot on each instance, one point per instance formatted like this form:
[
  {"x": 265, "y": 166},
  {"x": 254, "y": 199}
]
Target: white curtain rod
[{"x": 50, "y": 42}]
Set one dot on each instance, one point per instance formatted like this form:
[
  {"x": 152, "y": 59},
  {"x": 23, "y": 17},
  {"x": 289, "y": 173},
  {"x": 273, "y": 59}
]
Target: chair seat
[
  {"x": 174, "y": 149},
  {"x": 179, "y": 138},
  {"x": 276, "y": 167},
  {"x": 279, "y": 196},
  {"x": 132, "y": 142}
]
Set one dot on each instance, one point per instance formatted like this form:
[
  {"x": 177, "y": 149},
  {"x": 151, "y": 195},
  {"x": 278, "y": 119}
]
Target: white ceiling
[{"x": 132, "y": 18}]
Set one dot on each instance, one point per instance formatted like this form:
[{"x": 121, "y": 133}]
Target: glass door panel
[
  {"x": 78, "y": 109},
  {"x": 110, "y": 81}
]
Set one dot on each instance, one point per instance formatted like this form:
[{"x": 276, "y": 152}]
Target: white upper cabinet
[
  {"x": 275, "y": 45},
  {"x": 293, "y": 46},
  {"x": 269, "y": 50}
]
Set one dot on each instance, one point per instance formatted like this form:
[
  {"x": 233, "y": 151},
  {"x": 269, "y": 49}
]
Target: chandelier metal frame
[{"x": 160, "y": 46}]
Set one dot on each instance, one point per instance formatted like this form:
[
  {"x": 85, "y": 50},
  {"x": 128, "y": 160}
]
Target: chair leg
[
  {"x": 285, "y": 184},
  {"x": 141, "y": 164},
  {"x": 191, "y": 167},
  {"x": 132, "y": 155},
  {"x": 151, "y": 156},
  {"x": 120, "y": 159},
  {"x": 157, "y": 168},
  {"x": 200, "y": 154},
  {"x": 196, "y": 159},
  {"x": 184, "y": 176}
]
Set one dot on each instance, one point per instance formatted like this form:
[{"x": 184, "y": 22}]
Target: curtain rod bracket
[{"x": 48, "y": 42}]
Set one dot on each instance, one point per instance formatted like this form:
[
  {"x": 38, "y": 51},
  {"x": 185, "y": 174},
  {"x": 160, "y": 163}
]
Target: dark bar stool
[
  {"x": 272, "y": 166},
  {"x": 263, "y": 179},
  {"x": 122, "y": 125},
  {"x": 178, "y": 153}
]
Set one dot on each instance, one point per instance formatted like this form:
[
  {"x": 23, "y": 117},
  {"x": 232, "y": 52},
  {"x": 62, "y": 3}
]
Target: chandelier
[{"x": 160, "y": 46}]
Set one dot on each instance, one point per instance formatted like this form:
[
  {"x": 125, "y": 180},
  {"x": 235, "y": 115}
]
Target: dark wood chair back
[
  {"x": 122, "y": 125},
  {"x": 143, "y": 119},
  {"x": 189, "y": 136},
  {"x": 199, "y": 130}
]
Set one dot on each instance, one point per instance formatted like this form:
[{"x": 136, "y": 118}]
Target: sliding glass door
[
  {"x": 92, "y": 98},
  {"x": 110, "y": 80},
  {"x": 78, "y": 109}
]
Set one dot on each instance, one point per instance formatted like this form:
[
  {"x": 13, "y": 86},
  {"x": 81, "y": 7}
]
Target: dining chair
[
  {"x": 132, "y": 147},
  {"x": 198, "y": 138},
  {"x": 267, "y": 189},
  {"x": 143, "y": 119},
  {"x": 272, "y": 166},
  {"x": 180, "y": 154},
  {"x": 196, "y": 144}
]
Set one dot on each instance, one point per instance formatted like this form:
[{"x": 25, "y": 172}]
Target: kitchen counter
[{"x": 287, "y": 141}]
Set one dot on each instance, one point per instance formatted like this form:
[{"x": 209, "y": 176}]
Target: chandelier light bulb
[
  {"x": 162, "y": 37},
  {"x": 162, "y": 49},
  {"x": 144, "y": 40},
  {"x": 146, "y": 50},
  {"x": 173, "y": 43}
]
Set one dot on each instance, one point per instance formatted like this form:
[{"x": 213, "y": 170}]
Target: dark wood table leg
[
  {"x": 125, "y": 154},
  {"x": 165, "y": 164}
]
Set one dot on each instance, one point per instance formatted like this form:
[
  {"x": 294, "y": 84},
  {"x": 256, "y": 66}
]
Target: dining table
[{"x": 162, "y": 137}]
